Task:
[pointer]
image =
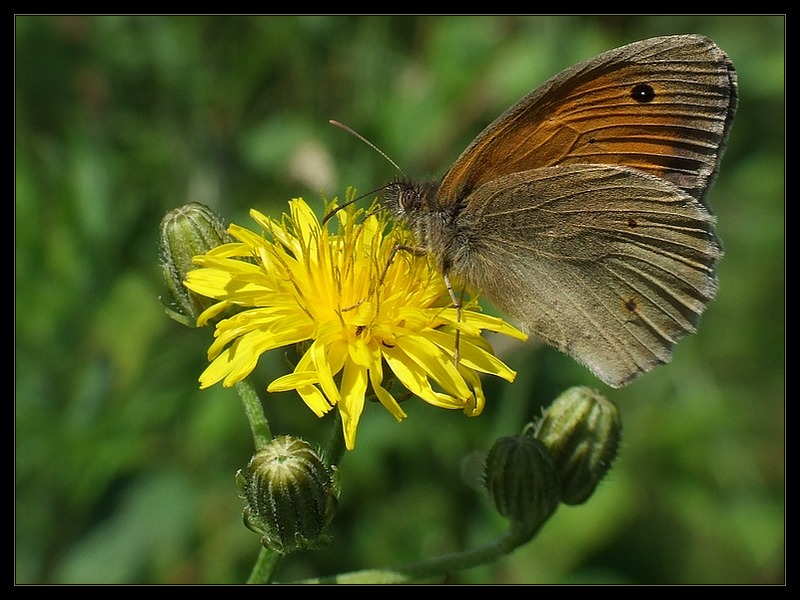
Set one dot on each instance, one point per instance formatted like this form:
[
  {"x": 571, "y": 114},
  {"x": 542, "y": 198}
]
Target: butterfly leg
[
  {"x": 457, "y": 302},
  {"x": 414, "y": 250}
]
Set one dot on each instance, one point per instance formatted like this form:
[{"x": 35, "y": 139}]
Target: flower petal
[
  {"x": 434, "y": 362},
  {"x": 351, "y": 404},
  {"x": 471, "y": 355},
  {"x": 417, "y": 381}
]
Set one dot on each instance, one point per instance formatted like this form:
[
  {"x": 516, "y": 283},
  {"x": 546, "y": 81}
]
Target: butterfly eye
[
  {"x": 403, "y": 198},
  {"x": 402, "y": 195}
]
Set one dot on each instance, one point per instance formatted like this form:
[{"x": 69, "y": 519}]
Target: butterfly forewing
[{"x": 662, "y": 106}]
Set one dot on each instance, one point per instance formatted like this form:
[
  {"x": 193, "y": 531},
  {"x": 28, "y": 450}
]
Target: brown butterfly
[{"x": 580, "y": 211}]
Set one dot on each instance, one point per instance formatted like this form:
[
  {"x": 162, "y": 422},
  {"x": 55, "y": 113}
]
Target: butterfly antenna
[
  {"x": 357, "y": 135},
  {"x": 339, "y": 207}
]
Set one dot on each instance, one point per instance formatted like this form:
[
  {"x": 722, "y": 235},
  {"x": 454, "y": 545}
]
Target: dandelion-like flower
[{"x": 359, "y": 307}]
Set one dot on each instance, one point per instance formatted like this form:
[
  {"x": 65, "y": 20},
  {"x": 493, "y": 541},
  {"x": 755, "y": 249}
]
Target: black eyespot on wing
[{"x": 643, "y": 93}]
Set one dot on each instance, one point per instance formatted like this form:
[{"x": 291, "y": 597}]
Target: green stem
[
  {"x": 434, "y": 569},
  {"x": 264, "y": 569},
  {"x": 335, "y": 448},
  {"x": 254, "y": 410},
  {"x": 268, "y": 560}
]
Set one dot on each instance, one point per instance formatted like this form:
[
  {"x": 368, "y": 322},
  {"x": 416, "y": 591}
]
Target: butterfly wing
[
  {"x": 662, "y": 105},
  {"x": 606, "y": 263}
]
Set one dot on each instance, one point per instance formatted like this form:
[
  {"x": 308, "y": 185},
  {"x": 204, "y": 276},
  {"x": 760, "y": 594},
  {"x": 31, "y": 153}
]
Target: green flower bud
[
  {"x": 582, "y": 431},
  {"x": 522, "y": 479},
  {"x": 291, "y": 495},
  {"x": 186, "y": 232}
]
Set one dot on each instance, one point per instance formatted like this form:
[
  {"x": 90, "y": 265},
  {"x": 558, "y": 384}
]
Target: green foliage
[{"x": 124, "y": 470}]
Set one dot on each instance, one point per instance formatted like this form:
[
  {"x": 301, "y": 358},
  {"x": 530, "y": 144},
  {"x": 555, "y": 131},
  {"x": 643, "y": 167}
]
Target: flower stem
[
  {"x": 268, "y": 560},
  {"x": 254, "y": 410},
  {"x": 436, "y": 568},
  {"x": 264, "y": 569},
  {"x": 335, "y": 448}
]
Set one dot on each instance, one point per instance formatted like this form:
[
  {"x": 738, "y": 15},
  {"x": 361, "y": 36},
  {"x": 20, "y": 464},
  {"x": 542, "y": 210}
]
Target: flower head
[
  {"x": 361, "y": 307},
  {"x": 290, "y": 495},
  {"x": 582, "y": 430},
  {"x": 185, "y": 232},
  {"x": 522, "y": 479}
]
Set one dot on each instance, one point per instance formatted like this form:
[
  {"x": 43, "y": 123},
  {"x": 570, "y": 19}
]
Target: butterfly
[{"x": 581, "y": 211}]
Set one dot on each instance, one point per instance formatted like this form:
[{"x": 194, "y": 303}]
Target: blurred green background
[{"x": 124, "y": 470}]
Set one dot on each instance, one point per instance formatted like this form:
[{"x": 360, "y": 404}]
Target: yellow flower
[{"x": 361, "y": 310}]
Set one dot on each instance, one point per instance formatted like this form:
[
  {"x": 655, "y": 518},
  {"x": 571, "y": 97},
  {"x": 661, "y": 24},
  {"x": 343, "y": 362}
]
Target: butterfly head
[{"x": 410, "y": 201}]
